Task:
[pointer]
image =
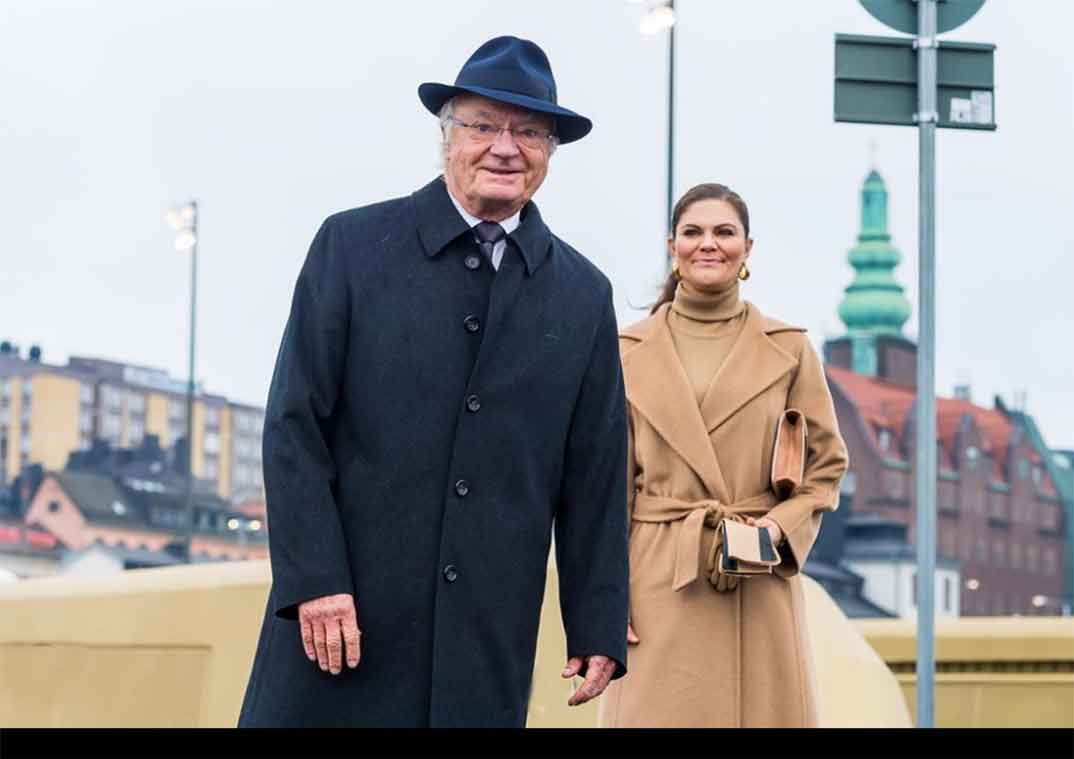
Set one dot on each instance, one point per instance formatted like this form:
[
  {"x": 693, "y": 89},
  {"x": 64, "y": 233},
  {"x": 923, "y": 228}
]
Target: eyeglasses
[{"x": 483, "y": 133}]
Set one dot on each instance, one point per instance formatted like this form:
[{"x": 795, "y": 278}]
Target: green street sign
[
  {"x": 901, "y": 15},
  {"x": 876, "y": 82}
]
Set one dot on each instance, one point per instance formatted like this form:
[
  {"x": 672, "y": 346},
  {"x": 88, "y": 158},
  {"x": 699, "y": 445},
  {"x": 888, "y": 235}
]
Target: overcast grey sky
[{"x": 275, "y": 114}]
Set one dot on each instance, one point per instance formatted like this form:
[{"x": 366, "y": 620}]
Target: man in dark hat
[{"x": 447, "y": 396}]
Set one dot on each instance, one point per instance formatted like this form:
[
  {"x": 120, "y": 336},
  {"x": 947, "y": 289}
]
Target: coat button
[
  {"x": 472, "y": 262},
  {"x": 472, "y": 323},
  {"x": 473, "y": 404},
  {"x": 450, "y": 573},
  {"x": 462, "y": 488}
]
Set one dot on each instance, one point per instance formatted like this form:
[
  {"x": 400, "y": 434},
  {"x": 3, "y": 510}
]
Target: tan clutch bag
[
  {"x": 788, "y": 458},
  {"x": 745, "y": 550}
]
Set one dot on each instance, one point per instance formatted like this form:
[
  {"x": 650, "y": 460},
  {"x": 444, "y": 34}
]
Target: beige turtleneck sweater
[{"x": 704, "y": 327}]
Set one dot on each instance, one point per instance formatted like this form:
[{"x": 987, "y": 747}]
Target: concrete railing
[
  {"x": 172, "y": 647},
  {"x": 990, "y": 671}
]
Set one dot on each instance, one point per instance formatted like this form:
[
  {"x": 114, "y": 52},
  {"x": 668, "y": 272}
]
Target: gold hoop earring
[
  {"x": 675, "y": 271},
  {"x": 744, "y": 272}
]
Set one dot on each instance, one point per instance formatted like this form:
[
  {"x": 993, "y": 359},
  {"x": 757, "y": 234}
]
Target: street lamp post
[
  {"x": 184, "y": 219},
  {"x": 656, "y": 19}
]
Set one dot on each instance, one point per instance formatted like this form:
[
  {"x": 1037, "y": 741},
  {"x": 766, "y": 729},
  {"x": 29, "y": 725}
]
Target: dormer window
[
  {"x": 883, "y": 438},
  {"x": 1038, "y": 474}
]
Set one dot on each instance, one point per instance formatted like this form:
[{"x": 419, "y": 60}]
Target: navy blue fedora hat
[{"x": 510, "y": 70}]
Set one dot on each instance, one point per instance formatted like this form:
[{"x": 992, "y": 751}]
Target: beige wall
[
  {"x": 14, "y": 430},
  {"x": 156, "y": 417},
  {"x": 223, "y": 484},
  {"x": 54, "y": 419},
  {"x": 135, "y": 650},
  {"x": 990, "y": 671},
  {"x": 198, "y": 433}
]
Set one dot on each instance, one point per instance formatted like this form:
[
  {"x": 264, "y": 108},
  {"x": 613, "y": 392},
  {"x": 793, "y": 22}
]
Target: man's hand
[
  {"x": 599, "y": 671},
  {"x": 327, "y": 625}
]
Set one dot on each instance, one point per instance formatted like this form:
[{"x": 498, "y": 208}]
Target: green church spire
[{"x": 874, "y": 303}]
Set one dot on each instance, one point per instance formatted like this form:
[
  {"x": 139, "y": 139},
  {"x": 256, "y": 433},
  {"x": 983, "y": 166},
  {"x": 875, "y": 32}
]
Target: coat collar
[
  {"x": 657, "y": 385},
  {"x": 439, "y": 223}
]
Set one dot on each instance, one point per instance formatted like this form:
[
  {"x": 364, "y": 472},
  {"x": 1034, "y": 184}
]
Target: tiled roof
[{"x": 885, "y": 404}]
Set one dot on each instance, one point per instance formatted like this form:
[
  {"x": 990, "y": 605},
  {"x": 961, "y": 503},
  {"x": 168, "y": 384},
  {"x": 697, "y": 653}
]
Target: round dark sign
[{"x": 901, "y": 15}]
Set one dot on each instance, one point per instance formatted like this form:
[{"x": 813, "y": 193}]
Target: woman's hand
[
  {"x": 631, "y": 636},
  {"x": 774, "y": 530}
]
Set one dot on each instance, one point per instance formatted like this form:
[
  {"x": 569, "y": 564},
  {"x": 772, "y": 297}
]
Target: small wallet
[
  {"x": 745, "y": 550},
  {"x": 788, "y": 457}
]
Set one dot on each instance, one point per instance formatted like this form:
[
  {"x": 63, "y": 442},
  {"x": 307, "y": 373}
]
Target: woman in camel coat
[{"x": 707, "y": 378}]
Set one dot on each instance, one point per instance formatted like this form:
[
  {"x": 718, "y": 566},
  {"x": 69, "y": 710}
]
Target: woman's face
[{"x": 709, "y": 245}]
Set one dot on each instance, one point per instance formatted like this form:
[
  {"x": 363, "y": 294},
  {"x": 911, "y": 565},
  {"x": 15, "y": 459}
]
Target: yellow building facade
[{"x": 48, "y": 412}]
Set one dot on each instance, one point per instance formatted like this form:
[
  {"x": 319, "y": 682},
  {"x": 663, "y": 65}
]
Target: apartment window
[
  {"x": 211, "y": 443},
  {"x": 212, "y": 469},
  {"x": 85, "y": 421},
  {"x": 972, "y": 455},
  {"x": 110, "y": 427},
  {"x": 894, "y": 484},
  {"x": 1049, "y": 561},
  {"x": 136, "y": 431},
  {"x": 212, "y": 417},
  {"x": 883, "y": 438},
  {"x": 1038, "y": 474},
  {"x": 1023, "y": 469},
  {"x": 947, "y": 540},
  {"x": 5, "y": 390},
  {"x": 1016, "y": 556},
  {"x": 27, "y": 391},
  {"x": 176, "y": 410},
  {"x": 111, "y": 398},
  {"x": 5, "y": 416},
  {"x": 136, "y": 403},
  {"x": 1032, "y": 556},
  {"x": 999, "y": 554},
  {"x": 25, "y": 447},
  {"x": 85, "y": 394},
  {"x": 998, "y": 506},
  {"x": 1048, "y": 517}
]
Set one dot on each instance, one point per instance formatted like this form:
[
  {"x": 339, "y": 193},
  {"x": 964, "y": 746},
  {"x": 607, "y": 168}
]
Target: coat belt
[{"x": 696, "y": 517}]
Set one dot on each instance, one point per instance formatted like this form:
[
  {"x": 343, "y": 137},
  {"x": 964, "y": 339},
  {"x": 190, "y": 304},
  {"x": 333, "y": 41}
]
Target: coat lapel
[
  {"x": 754, "y": 364},
  {"x": 657, "y": 386}
]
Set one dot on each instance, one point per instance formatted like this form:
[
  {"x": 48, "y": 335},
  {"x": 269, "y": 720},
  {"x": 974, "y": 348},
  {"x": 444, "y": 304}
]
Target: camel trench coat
[{"x": 708, "y": 658}]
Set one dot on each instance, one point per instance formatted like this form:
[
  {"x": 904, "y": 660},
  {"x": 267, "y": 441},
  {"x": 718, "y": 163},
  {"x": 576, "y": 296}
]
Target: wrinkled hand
[
  {"x": 599, "y": 671},
  {"x": 774, "y": 530},
  {"x": 328, "y": 624}
]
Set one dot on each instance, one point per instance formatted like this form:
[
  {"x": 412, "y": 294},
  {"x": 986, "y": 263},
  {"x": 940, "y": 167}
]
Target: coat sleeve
[
  {"x": 307, "y": 547},
  {"x": 591, "y": 517},
  {"x": 826, "y": 461}
]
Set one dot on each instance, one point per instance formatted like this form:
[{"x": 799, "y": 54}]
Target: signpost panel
[{"x": 876, "y": 82}]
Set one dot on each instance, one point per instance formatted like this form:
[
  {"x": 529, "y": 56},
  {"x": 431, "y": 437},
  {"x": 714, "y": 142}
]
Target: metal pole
[
  {"x": 671, "y": 130},
  {"x": 925, "y": 463},
  {"x": 189, "y": 537}
]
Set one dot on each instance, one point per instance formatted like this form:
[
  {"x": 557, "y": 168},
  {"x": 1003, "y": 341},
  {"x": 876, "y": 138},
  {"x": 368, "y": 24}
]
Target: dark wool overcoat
[{"x": 430, "y": 422}]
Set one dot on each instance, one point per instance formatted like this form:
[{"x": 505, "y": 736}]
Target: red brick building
[{"x": 999, "y": 512}]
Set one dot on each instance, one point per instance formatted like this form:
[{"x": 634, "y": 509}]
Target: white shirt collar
[{"x": 510, "y": 224}]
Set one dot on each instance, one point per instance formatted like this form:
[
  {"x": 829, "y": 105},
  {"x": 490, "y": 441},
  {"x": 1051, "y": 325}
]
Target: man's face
[{"x": 493, "y": 180}]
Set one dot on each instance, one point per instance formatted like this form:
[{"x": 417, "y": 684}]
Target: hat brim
[{"x": 570, "y": 126}]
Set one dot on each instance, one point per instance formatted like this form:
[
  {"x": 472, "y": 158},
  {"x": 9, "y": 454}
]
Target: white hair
[{"x": 447, "y": 111}]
